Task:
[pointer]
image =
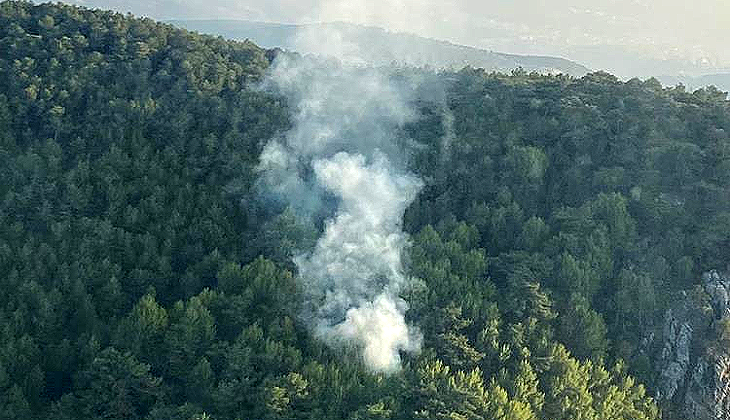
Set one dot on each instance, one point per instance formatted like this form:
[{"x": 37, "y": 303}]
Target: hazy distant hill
[
  {"x": 719, "y": 80},
  {"x": 378, "y": 46}
]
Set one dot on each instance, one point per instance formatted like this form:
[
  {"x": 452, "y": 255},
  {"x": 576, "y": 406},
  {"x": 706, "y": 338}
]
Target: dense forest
[{"x": 141, "y": 278}]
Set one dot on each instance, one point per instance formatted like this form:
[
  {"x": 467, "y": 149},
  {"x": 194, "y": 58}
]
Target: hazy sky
[{"x": 691, "y": 30}]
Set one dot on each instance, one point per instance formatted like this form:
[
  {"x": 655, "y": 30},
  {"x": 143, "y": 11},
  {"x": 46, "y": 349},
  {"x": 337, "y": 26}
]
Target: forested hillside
[{"x": 143, "y": 278}]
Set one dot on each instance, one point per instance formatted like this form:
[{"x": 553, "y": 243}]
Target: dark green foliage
[
  {"x": 116, "y": 385},
  {"x": 141, "y": 279}
]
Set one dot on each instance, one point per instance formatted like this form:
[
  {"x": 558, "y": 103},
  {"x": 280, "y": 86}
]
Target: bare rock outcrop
[
  {"x": 674, "y": 360},
  {"x": 691, "y": 362},
  {"x": 708, "y": 392}
]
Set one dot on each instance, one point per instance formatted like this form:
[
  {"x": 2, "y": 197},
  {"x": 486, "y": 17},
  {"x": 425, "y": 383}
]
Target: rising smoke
[{"x": 342, "y": 149}]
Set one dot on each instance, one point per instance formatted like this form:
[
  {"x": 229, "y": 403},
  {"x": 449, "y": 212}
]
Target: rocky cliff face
[
  {"x": 691, "y": 358},
  {"x": 707, "y": 394}
]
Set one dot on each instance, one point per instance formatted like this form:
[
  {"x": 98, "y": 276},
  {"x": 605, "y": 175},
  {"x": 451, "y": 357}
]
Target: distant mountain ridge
[
  {"x": 719, "y": 80},
  {"x": 379, "y": 46}
]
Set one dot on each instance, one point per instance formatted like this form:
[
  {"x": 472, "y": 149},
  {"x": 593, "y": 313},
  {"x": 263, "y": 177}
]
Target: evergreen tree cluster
[{"x": 141, "y": 279}]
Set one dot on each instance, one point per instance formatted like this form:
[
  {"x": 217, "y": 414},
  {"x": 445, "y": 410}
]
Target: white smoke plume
[{"x": 342, "y": 152}]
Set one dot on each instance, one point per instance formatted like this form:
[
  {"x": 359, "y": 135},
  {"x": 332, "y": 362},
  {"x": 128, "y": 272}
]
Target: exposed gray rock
[
  {"x": 717, "y": 288},
  {"x": 708, "y": 391},
  {"x": 674, "y": 358},
  {"x": 692, "y": 366}
]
